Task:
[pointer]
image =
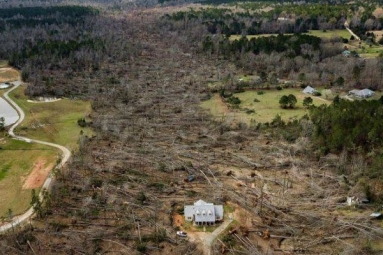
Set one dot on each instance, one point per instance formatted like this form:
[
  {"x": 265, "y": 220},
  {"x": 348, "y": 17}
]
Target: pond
[
  {"x": 4, "y": 86},
  {"x": 8, "y": 112}
]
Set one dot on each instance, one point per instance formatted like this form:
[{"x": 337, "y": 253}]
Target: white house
[
  {"x": 309, "y": 90},
  {"x": 203, "y": 213},
  {"x": 364, "y": 93}
]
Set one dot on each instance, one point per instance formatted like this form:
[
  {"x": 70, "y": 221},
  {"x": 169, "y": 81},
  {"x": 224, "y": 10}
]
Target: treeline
[
  {"x": 65, "y": 57},
  {"x": 34, "y": 16},
  {"x": 37, "y": 12},
  {"x": 251, "y": 18},
  {"x": 60, "y": 49},
  {"x": 355, "y": 126},
  {"x": 291, "y": 45},
  {"x": 217, "y": 2}
]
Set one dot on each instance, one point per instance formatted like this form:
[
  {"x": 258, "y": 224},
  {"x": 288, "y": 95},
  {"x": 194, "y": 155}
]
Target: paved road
[{"x": 65, "y": 157}]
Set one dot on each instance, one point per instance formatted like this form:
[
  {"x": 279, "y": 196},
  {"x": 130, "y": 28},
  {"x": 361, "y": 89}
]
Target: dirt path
[
  {"x": 350, "y": 31},
  {"x": 206, "y": 239},
  {"x": 65, "y": 157}
]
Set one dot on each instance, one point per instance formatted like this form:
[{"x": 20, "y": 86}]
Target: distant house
[
  {"x": 364, "y": 93},
  {"x": 203, "y": 213},
  {"x": 309, "y": 90},
  {"x": 376, "y": 215},
  {"x": 346, "y": 53}
]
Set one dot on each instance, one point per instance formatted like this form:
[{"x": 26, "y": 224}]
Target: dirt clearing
[
  {"x": 8, "y": 74},
  {"x": 38, "y": 174}
]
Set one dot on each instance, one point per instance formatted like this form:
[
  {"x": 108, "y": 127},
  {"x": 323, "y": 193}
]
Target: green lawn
[
  {"x": 265, "y": 110},
  {"x": 3, "y": 63},
  {"x": 330, "y": 33},
  {"x": 54, "y": 121},
  {"x": 319, "y": 33},
  {"x": 16, "y": 162}
]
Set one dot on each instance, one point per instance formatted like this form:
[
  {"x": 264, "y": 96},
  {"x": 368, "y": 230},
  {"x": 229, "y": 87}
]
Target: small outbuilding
[
  {"x": 203, "y": 213},
  {"x": 309, "y": 90}
]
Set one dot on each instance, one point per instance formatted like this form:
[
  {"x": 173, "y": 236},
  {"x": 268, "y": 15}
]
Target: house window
[{"x": 189, "y": 218}]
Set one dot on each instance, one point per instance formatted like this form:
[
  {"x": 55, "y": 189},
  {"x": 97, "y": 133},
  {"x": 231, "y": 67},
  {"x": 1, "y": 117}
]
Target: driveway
[
  {"x": 65, "y": 157},
  {"x": 206, "y": 239}
]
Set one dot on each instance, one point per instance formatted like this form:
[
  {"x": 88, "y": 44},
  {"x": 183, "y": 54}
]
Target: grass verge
[
  {"x": 17, "y": 160},
  {"x": 54, "y": 121}
]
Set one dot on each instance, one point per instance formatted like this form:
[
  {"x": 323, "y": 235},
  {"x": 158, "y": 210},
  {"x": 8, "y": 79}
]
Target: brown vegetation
[{"x": 122, "y": 188}]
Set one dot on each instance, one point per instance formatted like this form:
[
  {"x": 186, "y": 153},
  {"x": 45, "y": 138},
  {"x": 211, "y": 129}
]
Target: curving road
[{"x": 65, "y": 157}]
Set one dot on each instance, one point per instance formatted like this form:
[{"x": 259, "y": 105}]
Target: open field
[
  {"x": 17, "y": 161},
  {"x": 3, "y": 63},
  {"x": 328, "y": 34},
  {"x": 25, "y": 166},
  {"x": 265, "y": 110},
  {"x": 8, "y": 73},
  {"x": 54, "y": 121}
]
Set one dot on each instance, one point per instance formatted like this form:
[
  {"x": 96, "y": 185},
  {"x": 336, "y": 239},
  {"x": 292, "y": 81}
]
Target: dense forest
[{"x": 58, "y": 44}]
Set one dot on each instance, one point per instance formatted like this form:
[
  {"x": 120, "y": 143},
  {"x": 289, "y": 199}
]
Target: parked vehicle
[{"x": 181, "y": 234}]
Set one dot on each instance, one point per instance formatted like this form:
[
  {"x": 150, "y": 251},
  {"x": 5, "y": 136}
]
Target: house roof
[
  {"x": 368, "y": 92},
  {"x": 362, "y": 93},
  {"x": 309, "y": 90},
  {"x": 203, "y": 212}
]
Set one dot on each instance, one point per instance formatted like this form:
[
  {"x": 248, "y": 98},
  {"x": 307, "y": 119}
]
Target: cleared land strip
[{"x": 65, "y": 157}]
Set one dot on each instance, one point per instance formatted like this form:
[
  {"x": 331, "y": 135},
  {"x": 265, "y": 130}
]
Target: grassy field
[
  {"x": 265, "y": 110},
  {"x": 3, "y": 63},
  {"x": 17, "y": 160},
  {"x": 328, "y": 34},
  {"x": 54, "y": 121}
]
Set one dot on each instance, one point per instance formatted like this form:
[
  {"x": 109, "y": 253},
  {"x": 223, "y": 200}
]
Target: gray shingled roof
[
  {"x": 203, "y": 212},
  {"x": 362, "y": 93},
  {"x": 309, "y": 90}
]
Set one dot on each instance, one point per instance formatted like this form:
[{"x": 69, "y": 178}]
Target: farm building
[
  {"x": 309, "y": 90},
  {"x": 203, "y": 213},
  {"x": 364, "y": 93}
]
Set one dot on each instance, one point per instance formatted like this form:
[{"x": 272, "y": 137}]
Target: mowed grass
[
  {"x": 53, "y": 121},
  {"x": 319, "y": 33},
  {"x": 330, "y": 33},
  {"x": 17, "y": 159},
  {"x": 3, "y": 63},
  {"x": 265, "y": 110}
]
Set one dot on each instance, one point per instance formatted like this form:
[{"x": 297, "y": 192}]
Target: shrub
[
  {"x": 81, "y": 122},
  {"x": 234, "y": 100},
  {"x": 141, "y": 247},
  {"x": 250, "y": 111},
  {"x": 260, "y": 92},
  {"x": 141, "y": 197},
  {"x": 256, "y": 100},
  {"x": 279, "y": 88}
]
